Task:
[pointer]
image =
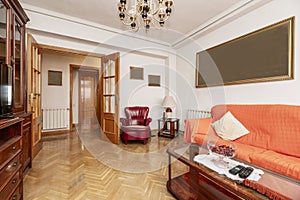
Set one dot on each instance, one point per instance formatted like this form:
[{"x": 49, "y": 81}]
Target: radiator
[
  {"x": 55, "y": 118},
  {"x": 194, "y": 114}
]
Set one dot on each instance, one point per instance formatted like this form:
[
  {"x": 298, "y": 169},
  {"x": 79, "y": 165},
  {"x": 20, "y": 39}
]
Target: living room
[
  {"x": 177, "y": 57},
  {"x": 173, "y": 62}
]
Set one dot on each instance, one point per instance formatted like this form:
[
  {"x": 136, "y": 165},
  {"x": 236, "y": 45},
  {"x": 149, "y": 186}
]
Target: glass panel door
[
  {"x": 17, "y": 63},
  {"x": 3, "y": 27},
  {"x": 109, "y": 86},
  {"x": 110, "y": 94}
]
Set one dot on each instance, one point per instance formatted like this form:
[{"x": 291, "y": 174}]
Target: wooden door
[
  {"x": 34, "y": 92},
  {"x": 88, "y": 101},
  {"x": 110, "y": 97}
]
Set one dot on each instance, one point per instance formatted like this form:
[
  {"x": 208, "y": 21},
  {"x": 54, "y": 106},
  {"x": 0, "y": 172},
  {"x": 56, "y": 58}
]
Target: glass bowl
[{"x": 222, "y": 151}]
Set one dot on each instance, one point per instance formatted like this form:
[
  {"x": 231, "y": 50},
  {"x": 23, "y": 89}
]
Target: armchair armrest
[
  {"x": 124, "y": 121},
  {"x": 147, "y": 121}
]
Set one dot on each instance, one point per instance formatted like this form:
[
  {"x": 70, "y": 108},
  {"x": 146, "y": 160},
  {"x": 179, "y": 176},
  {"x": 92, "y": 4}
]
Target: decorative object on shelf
[
  {"x": 168, "y": 103},
  {"x": 145, "y": 12},
  {"x": 136, "y": 73},
  {"x": 154, "y": 80}
]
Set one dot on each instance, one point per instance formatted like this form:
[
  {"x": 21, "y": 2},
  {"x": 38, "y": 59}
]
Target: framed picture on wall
[
  {"x": 136, "y": 73},
  {"x": 154, "y": 80},
  {"x": 263, "y": 55},
  {"x": 55, "y": 78}
]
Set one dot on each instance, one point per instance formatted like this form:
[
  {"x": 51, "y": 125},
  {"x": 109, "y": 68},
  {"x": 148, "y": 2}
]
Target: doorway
[
  {"x": 85, "y": 98},
  {"x": 88, "y": 103}
]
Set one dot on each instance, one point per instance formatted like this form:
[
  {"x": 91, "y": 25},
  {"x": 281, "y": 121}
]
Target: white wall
[
  {"x": 277, "y": 92},
  {"x": 137, "y": 92},
  {"x": 59, "y": 96}
]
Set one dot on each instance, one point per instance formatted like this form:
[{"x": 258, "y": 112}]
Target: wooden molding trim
[
  {"x": 47, "y": 133},
  {"x": 66, "y": 50}
]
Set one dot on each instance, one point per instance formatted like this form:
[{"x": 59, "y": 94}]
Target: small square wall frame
[
  {"x": 136, "y": 73},
  {"x": 55, "y": 78}
]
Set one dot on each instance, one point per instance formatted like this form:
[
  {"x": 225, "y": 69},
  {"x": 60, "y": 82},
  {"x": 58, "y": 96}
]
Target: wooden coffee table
[{"x": 202, "y": 183}]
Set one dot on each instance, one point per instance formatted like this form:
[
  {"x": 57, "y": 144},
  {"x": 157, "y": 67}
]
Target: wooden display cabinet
[{"x": 15, "y": 133}]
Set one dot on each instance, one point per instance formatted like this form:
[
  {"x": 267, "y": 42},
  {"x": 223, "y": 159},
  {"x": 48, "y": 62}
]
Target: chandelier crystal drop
[{"x": 145, "y": 12}]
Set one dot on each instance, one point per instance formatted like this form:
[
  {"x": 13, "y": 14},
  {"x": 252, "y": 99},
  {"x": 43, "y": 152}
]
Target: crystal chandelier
[{"x": 145, "y": 12}]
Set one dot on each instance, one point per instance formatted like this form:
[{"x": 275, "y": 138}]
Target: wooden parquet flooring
[{"x": 65, "y": 169}]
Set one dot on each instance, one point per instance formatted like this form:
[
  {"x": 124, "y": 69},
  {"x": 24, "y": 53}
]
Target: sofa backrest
[
  {"x": 137, "y": 115},
  {"x": 274, "y": 127}
]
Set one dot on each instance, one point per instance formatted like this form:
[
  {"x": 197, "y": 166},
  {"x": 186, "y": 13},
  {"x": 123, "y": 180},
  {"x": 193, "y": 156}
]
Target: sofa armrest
[{"x": 195, "y": 126}]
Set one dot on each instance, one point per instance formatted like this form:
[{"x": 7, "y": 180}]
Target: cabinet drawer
[
  {"x": 10, "y": 151},
  {"x": 17, "y": 193},
  {"x": 11, "y": 186},
  {"x": 10, "y": 169}
]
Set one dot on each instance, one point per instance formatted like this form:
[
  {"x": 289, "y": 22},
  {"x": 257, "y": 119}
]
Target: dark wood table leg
[
  {"x": 172, "y": 129},
  {"x": 169, "y": 161},
  {"x": 158, "y": 128}
]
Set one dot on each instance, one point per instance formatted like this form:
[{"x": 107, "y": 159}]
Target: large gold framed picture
[{"x": 263, "y": 55}]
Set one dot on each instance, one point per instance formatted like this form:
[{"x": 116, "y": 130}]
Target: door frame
[
  {"x": 67, "y": 51},
  {"x": 72, "y": 67}
]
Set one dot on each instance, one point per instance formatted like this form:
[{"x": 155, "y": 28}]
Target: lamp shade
[{"x": 168, "y": 102}]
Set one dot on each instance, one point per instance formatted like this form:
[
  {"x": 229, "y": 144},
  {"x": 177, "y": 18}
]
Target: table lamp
[{"x": 168, "y": 103}]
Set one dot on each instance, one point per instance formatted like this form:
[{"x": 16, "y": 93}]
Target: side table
[{"x": 170, "y": 127}]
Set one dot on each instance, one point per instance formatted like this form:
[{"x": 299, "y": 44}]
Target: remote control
[
  {"x": 235, "y": 170},
  {"x": 244, "y": 173}
]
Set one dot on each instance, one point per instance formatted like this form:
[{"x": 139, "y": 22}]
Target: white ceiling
[{"x": 186, "y": 18}]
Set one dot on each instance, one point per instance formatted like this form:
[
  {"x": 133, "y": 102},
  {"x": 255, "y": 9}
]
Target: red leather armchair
[{"x": 136, "y": 124}]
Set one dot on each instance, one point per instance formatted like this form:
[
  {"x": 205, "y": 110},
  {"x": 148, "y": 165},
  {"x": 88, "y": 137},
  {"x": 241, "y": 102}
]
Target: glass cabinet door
[
  {"x": 17, "y": 64},
  {"x": 3, "y": 27}
]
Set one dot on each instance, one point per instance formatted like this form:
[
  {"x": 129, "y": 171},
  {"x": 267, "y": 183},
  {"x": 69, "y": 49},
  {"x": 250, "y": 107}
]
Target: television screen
[{"x": 6, "y": 92}]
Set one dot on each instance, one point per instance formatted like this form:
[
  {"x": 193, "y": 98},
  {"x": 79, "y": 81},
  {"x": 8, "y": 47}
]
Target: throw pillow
[{"x": 229, "y": 128}]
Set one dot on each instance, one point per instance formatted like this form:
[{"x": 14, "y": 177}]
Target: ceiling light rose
[{"x": 145, "y": 12}]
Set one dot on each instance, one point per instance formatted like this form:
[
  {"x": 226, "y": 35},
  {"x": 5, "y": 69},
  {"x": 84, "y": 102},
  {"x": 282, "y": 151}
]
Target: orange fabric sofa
[{"x": 274, "y": 139}]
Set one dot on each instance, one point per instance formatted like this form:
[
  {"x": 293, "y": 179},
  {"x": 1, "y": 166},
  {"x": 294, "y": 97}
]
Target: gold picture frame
[
  {"x": 260, "y": 56},
  {"x": 55, "y": 78},
  {"x": 136, "y": 73}
]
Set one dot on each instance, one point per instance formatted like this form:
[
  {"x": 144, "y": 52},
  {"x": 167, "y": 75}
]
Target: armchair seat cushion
[
  {"x": 135, "y": 130},
  {"x": 135, "y": 133}
]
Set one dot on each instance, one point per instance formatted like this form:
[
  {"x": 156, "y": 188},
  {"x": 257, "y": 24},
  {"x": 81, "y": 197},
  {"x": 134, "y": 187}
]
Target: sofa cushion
[
  {"x": 273, "y": 127},
  {"x": 229, "y": 128},
  {"x": 271, "y": 160},
  {"x": 280, "y": 163}
]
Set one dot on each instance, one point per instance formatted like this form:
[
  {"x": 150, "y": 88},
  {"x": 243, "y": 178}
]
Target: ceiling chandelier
[{"x": 145, "y": 12}]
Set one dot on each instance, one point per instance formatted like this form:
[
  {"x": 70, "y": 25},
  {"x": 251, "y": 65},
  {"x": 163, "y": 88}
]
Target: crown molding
[
  {"x": 49, "y": 13},
  {"x": 229, "y": 15}
]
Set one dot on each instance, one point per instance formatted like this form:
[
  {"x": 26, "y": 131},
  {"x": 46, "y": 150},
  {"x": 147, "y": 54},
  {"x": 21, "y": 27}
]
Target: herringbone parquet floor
[{"x": 67, "y": 168}]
